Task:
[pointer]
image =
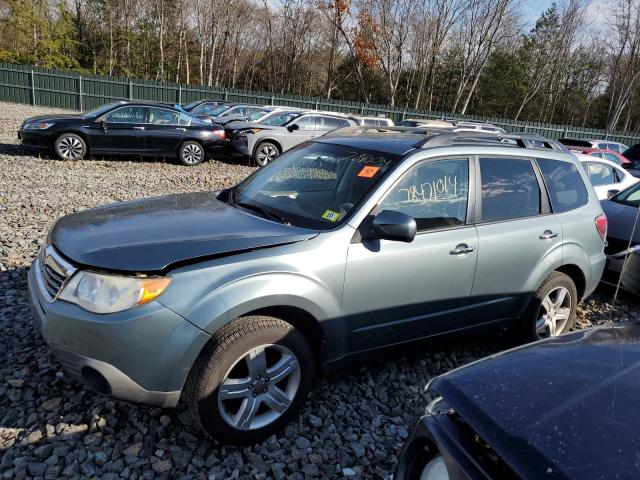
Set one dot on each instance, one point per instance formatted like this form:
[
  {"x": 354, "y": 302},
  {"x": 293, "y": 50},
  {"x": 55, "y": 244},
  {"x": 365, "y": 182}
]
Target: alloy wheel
[
  {"x": 259, "y": 387},
  {"x": 70, "y": 148},
  {"x": 266, "y": 154},
  {"x": 192, "y": 154},
  {"x": 554, "y": 313}
]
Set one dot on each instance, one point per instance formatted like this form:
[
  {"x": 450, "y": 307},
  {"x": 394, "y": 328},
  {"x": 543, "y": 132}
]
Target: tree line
[{"x": 465, "y": 56}]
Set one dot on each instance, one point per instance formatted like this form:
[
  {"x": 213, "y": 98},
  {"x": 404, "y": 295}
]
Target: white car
[{"x": 606, "y": 175}]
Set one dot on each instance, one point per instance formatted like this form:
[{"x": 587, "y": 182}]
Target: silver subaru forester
[{"x": 355, "y": 241}]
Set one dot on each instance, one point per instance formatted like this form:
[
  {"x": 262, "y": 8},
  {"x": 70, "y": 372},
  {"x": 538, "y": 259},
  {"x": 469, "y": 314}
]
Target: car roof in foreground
[
  {"x": 567, "y": 406},
  {"x": 402, "y": 140}
]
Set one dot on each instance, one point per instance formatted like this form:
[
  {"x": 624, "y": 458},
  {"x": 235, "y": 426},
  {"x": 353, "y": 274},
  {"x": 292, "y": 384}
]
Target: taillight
[
  {"x": 219, "y": 133},
  {"x": 601, "y": 226}
]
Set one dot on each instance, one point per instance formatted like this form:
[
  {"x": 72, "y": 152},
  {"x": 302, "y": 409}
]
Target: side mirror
[
  {"x": 612, "y": 193},
  {"x": 293, "y": 127},
  {"x": 103, "y": 122},
  {"x": 392, "y": 225}
]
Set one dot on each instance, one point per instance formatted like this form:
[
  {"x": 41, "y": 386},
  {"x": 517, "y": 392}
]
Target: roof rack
[{"x": 374, "y": 129}]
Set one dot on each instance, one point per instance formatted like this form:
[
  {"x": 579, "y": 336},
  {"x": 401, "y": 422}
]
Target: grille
[{"x": 54, "y": 272}]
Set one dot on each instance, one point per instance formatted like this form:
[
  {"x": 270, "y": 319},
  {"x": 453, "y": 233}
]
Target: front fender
[{"x": 254, "y": 292}]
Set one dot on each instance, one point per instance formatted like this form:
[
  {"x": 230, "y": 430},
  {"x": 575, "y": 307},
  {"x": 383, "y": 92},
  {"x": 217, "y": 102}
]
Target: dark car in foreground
[
  {"x": 125, "y": 128},
  {"x": 623, "y": 239},
  {"x": 565, "y": 407}
]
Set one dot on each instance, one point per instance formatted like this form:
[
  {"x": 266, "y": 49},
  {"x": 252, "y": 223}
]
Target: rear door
[
  {"x": 517, "y": 233},
  {"x": 163, "y": 132},
  {"x": 123, "y": 132}
]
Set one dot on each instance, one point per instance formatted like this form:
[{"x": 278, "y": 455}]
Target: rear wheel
[
  {"x": 70, "y": 146},
  {"x": 552, "y": 311},
  {"x": 251, "y": 380},
  {"x": 265, "y": 153},
  {"x": 191, "y": 153}
]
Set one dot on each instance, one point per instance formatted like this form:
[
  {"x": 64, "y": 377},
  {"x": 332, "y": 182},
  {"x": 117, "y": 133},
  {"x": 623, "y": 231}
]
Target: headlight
[
  {"x": 37, "y": 126},
  {"x": 436, "y": 469},
  {"x": 101, "y": 293}
]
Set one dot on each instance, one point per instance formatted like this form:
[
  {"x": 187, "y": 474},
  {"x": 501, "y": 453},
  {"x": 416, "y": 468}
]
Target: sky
[{"x": 532, "y": 9}]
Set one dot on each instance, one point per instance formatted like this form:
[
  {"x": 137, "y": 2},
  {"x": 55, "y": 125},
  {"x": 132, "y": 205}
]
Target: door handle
[
  {"x": 548, "y": 235},
  {"x": 138, "y": 128},
  {"x": 461, "y": 249},
  {"x": 181, "y": 129}
]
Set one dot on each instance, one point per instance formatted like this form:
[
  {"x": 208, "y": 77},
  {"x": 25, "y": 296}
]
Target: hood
[
  {"x": 56, "y": 117},
  {"x": 562, "y": 408},
  {"x": 152, "y": 234}
]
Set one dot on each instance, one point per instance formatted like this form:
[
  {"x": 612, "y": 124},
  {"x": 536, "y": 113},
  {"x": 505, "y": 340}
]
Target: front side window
[
  {"x": 160, "y": 116},
  {"x": 434, "y": 193},
  {"x": 564, "y": 184},
  {"x": 509, "y": 189},
  {"x": 600, "y": 174},
  {"x": 316, "y": 185},
  {"x": 127, "y": 115}
]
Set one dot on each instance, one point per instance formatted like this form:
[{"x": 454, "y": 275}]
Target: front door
[
  {"x": 519, "y": 238},
  {"x": 123, "y": 132},
  {"x": 396, "y": 291}
]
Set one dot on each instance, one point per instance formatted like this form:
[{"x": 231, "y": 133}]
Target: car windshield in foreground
[
  {"x": 280, "y": 119},
  {"x": 101, "y": 110},
  {"x": 316, "y": 185},
  {"x": 630, "y": 196}
]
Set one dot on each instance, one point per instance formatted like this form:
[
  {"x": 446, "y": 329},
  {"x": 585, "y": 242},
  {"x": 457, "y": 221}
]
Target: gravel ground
[{"x": 353, "y": 425}]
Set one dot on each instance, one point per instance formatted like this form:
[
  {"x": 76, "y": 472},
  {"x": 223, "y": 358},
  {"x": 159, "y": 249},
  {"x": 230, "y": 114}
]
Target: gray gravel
[{"x": 353, "y": 425}]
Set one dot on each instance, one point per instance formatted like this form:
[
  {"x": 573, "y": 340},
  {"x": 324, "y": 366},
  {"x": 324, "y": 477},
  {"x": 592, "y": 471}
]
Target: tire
[
  {"x": 70, "y": 146},
  {"x": 191, "y": 153},
  {"x": 265, "y": 153},
  {"x": 557, "y": 294},
  {"x": 257, "y": 406}
]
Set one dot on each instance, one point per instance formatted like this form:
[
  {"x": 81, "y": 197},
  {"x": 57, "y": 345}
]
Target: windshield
[
  {"x": 258, "y": 114},
  {"x": 630, "y": 196},
  {"x": 209, "y": 109},
  {"x": 101, "y": 110},
  {"x": 191, "y": 105},
  {"x": 316, "y": 185},
  {"x": 280, "y": 119}
]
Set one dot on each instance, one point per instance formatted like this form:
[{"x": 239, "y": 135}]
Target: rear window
[
  {"x": 509, "y": 189},
  {"x": 564, "y": 183}
]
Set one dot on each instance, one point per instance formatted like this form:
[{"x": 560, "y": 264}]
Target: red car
[{"x": 615, "y": 157}]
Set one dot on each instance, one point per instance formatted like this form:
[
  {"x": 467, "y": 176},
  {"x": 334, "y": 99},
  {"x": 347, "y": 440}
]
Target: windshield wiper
[{"x": 268, "y": 214}]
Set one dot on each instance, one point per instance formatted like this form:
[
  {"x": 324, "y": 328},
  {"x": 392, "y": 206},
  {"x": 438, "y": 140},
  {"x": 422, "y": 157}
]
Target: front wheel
[
  {"x": 552, "y": 311},
  {"x": 70, "y": 146},
  {"x": 251, "y": 380},
  {"x": 191, "y": 153},
  {"x": 265, "y": 153}
]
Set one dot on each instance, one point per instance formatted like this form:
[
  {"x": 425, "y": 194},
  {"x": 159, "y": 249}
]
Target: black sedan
[
  {"x": 125, "y": 128},
  {"x": 565, "y": 407}
]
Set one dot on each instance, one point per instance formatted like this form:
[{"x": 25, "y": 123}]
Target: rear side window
[
  {"x": 564, "y": 183},
  {"x": 509, "y": 189},
  {"x": 328, "y": 123},
  {"x": 600, "y": 174}
]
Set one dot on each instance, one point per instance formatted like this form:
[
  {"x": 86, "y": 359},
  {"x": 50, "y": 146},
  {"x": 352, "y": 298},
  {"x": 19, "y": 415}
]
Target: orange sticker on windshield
[{"x": 368, "y": 171}]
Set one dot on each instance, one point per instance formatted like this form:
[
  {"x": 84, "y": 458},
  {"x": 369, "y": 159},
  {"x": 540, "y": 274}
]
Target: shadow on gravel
[{"x": 19, "y": 150}]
